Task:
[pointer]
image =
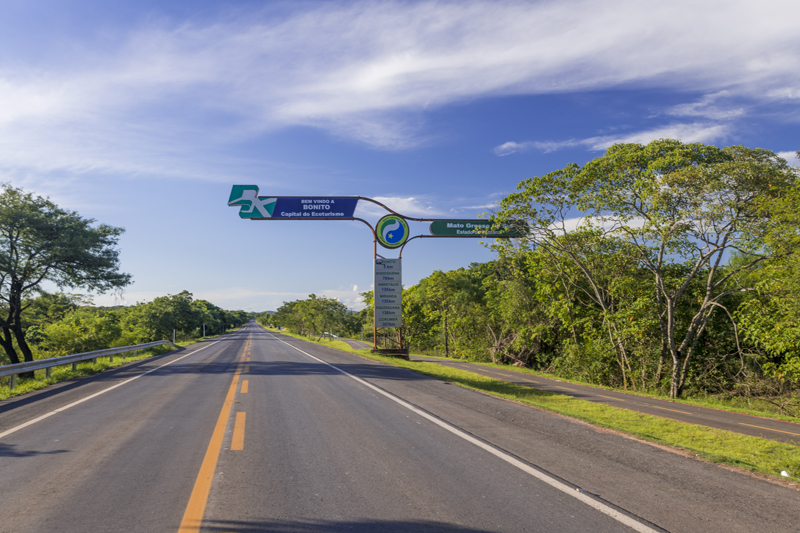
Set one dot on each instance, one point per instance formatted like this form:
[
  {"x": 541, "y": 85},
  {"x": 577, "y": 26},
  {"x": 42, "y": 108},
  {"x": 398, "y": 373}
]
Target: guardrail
[{"x": 48, "y": 364}]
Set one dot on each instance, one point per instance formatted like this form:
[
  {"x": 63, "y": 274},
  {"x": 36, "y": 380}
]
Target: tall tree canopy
[
  {"x": 676, "y": 210},
  {"x": 41, "y": 242}
]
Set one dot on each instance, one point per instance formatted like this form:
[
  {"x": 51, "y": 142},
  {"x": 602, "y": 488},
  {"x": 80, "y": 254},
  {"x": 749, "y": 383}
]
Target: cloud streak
[
  {"x": 694, "y": 132},
  {"x": 369, "y": 71}
]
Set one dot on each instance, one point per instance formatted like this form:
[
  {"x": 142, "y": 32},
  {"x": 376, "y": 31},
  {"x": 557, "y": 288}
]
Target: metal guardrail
[{"x": 48, "y": 364}]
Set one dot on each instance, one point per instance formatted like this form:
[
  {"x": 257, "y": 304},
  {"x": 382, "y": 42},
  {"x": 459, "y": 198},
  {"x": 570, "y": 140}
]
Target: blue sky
[{"x": 143, "y": 114}]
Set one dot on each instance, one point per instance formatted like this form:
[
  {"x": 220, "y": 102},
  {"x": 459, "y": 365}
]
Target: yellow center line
[
  {"x": 248, "y": 359},
  {"x": 673, "y": 410},
  {"x": 237, "y": 443},
  {"x": 193, "y": 516},
  {"x": 246, "y": 369},
  {"x": 769, "y": 429},
  {"x": 566, "y": 388},
  {"x": 244, "y": 386},
  {"x": 611, "y": 398}
]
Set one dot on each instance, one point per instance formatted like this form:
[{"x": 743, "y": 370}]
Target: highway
[{"x": 256, "y": 431}]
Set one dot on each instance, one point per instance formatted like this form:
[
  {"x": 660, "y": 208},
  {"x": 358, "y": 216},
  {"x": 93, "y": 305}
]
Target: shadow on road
[
  {"x": 325, "y": 526},
  {"x": 7, "y": 450}
]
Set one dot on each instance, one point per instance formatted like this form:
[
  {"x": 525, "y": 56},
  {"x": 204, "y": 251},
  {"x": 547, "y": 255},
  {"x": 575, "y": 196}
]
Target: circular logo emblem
[{"x": 392, "y": 231}]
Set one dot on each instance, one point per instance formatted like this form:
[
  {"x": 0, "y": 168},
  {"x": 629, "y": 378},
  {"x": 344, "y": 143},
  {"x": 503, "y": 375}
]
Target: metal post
[
  {"x": 74, "y": 367},
  {"x": 204, "y": 330},
  {"x": 374, "y": 295},
  {"x": 13, "y": 384},
  {"x": 173, "y": 336},
  {"x": 94, "y": 361},
  {"x": 48, "y": 372}
]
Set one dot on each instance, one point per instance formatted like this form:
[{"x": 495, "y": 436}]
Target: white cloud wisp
[{"x": 368, "y": 71}]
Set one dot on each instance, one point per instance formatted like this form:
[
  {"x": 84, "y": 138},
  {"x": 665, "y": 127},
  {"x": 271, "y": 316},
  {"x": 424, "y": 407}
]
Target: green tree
[
  {"x": 679, "y": 210},
  {"x": 41, "y": 242},
  {"x": 82, "y": 330}
]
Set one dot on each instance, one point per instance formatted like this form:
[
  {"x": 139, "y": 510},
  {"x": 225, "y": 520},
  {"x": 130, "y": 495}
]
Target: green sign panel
[{"x": 477, "y": 228}]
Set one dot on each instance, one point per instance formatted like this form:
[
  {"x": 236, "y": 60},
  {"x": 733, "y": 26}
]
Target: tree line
[
  {"x": 315, "y": 316},
  {"x": 58, "y": 324}
]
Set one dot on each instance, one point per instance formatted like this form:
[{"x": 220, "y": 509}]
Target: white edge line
[
  {"x": 609, "y": 511},
  {"x": 95, "y": 395}
]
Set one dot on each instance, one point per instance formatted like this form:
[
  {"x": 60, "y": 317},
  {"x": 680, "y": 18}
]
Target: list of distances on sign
[{"x": 388, "y": 295}]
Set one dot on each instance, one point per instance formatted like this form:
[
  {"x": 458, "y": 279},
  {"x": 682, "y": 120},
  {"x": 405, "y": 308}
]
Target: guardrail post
[
  {"x": 94, "y": 361},
  {"x": 110, "y": 358},
  {"x": 74, "y": 367},
  {"x": 48, "y": 372},
  {"x": 13, "y": 384}
]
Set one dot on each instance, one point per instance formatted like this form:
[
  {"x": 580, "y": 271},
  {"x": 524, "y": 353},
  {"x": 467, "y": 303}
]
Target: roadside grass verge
[
  {"x": 753, "y": 454},
  {"x": 707, "y": 401},
  {"x": 85, "y": 368}
]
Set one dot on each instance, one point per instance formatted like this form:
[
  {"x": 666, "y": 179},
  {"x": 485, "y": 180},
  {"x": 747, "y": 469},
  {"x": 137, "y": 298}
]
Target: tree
[
  {"x": 41, "y": 242},
  {"x": 772, "y": 319},
  {"x": 678, "y": 210}
]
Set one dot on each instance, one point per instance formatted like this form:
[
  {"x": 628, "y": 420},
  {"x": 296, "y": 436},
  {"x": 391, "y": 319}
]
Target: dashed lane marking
[
  {"x": 667, "y": 409},
  {"x": 769, "y": 429},
  {"x": 611, "y": 398},
  {"x": 237, "y": 443},
  {"x": 196, "y": 508}
]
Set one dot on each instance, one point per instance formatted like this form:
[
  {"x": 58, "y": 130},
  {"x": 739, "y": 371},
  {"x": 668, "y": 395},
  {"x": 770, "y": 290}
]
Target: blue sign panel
[{"x": 286, "y": 207}]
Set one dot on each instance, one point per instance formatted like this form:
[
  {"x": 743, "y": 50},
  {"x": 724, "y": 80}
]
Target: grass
[
  {"x": 85, "y": 368},
  {"x": 753, "y": 454},
  {"x": 708, "y": 401}
]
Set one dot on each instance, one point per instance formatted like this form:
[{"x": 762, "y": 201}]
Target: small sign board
[
  {"x": 477, "y": 228},
  {"x": 257, "y": 207},
  {"x": 388, "y": 294}
]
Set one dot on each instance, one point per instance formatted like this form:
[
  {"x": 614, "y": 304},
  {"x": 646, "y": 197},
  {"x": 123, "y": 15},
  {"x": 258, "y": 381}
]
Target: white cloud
[
  {"x": 790, "y": 157},
  {"x": 368, "y": 70},
  {"x": 408, "y": 206},
  {"x": 695, "y": 132},
  {"x": 708, "y": 107}
]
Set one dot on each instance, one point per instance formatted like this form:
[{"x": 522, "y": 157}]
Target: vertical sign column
[{"x": 388, "y": 293}]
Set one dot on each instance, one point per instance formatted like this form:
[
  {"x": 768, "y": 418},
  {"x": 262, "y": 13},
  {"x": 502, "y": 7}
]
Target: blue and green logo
[
  {"x": 392, "y": 231},
  {"x": 252, "y": 205}
]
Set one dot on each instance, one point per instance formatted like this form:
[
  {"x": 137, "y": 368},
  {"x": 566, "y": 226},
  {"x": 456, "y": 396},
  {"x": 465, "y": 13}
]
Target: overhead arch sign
[{"x": 255, "y": 207}]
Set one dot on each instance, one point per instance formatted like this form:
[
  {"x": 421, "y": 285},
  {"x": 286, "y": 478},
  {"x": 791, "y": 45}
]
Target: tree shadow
[
  {"x": 328, "y": 526},
  {"x": 8, "y": 450}
]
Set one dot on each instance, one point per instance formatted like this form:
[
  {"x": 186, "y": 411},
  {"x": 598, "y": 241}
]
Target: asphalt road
[{"x": 261, "y": 432}]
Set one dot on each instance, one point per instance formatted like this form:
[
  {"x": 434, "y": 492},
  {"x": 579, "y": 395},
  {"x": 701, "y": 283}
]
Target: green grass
[
  {"x": 85, "y": 368},
  {"x": 714, "y": 445},
  {"x": 707, "y": 401}
]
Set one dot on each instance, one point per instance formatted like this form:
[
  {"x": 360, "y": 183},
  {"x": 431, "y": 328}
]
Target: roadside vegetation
[
  {"x": 61, "y": 325},
  {"x": 42, "y": 243}
]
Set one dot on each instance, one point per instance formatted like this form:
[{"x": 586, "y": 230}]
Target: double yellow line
[{"x": 195, "y": 510}]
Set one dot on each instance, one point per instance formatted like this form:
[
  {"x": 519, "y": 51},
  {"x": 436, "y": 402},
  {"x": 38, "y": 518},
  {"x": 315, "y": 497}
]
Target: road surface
[{"x": 257, "y": 431}]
